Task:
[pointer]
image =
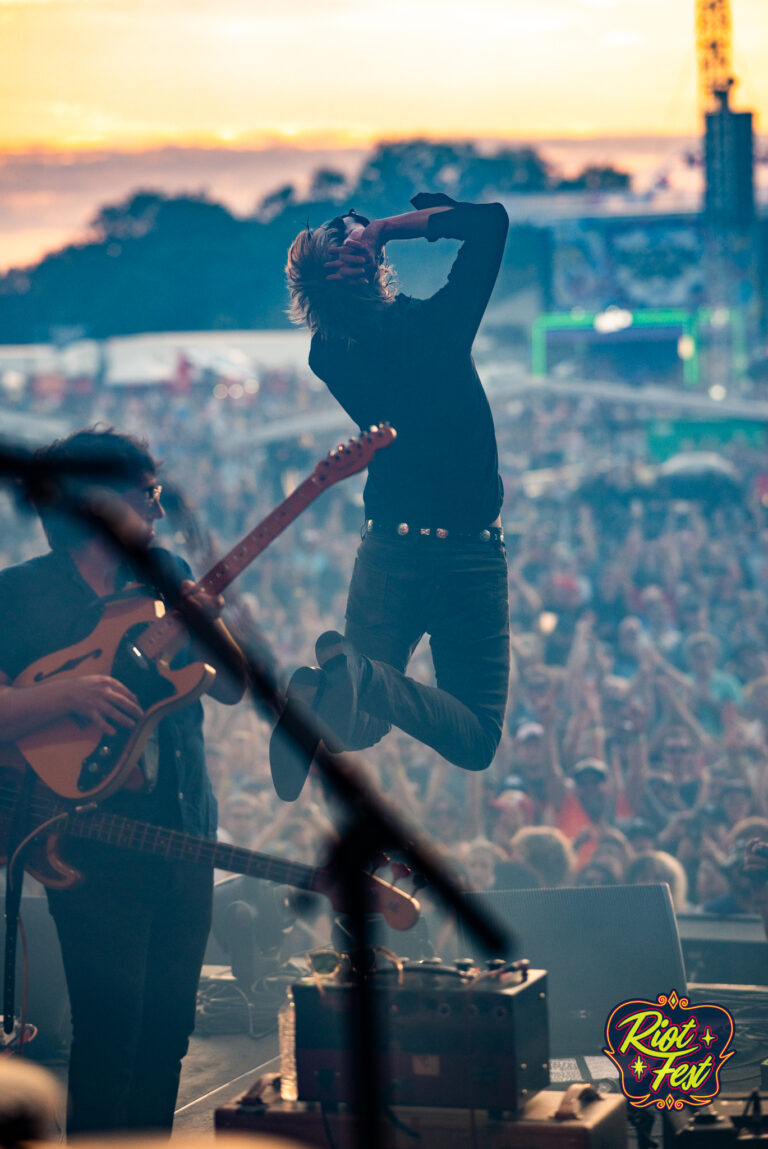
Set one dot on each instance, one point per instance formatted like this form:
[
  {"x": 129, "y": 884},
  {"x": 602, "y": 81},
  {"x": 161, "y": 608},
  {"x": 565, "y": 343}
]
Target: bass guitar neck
[{"x": 52, "y": 822}]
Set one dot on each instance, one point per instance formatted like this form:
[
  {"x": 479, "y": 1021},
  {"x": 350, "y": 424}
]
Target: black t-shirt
[{"x": 416, "y": 372}]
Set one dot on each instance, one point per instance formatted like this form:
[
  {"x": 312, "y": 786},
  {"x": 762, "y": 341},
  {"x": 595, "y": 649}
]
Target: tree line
[{"x": 155, "y": 262}]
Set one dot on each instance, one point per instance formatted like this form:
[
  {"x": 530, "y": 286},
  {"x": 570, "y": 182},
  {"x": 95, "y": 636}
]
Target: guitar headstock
[
  {"x": 399, "y": 910},
  {"x": 355, "y": 455}
]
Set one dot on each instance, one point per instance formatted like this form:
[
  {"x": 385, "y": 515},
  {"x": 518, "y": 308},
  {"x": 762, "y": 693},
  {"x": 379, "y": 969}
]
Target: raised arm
[
  {"x": 354, "y": 259},
  {"x": 458, "y": 307}
]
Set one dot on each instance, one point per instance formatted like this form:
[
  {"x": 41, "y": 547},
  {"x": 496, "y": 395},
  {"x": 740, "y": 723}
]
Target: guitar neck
[
  {"x": 222, "y": 574},
  {"x": 145, "y": 838},
  {"x": 158, "y": 637}
]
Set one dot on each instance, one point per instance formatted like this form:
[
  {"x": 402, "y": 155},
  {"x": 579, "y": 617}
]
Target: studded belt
[{"x": 410, "y": 531}]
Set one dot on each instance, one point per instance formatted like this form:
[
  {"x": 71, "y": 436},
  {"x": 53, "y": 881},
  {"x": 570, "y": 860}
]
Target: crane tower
[
  {"x": 728, "y": 139},
  {"x": 729, "y": 197},
  {"x": 713, "y": 48}
]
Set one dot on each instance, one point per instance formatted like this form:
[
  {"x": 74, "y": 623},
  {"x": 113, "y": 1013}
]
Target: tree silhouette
[
  {"x": 156, "y": 262},
  {"x": 328, "y": 184},
  {"x": 129, "y": 219}
]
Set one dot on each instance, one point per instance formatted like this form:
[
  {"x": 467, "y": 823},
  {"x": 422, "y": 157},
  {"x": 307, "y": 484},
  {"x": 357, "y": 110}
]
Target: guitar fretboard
[
  {"x": 161, "y": 634},
  {"x": 342, "y": 462},
  {"x": 146, "y": 838}
]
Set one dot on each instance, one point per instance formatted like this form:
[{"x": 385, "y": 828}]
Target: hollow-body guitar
[{"x": 135, "y": 641}]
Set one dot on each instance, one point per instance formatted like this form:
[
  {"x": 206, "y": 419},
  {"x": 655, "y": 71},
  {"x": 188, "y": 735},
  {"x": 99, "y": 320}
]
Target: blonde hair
[
  {"x": 332, "y": 306},
  {"x": 663, "y": 867},
  {"x": 469, "y": 850},
  {"x": 547, "y": 851}
]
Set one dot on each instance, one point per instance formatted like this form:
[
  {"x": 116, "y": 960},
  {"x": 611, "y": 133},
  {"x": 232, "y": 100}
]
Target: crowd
[{"x": 636, "y": 737}]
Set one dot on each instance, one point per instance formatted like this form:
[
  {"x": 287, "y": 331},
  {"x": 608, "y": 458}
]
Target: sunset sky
[{"x": 137, "y": 73}]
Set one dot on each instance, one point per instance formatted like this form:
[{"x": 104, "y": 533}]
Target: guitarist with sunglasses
[{"x": 134, "y": 932}]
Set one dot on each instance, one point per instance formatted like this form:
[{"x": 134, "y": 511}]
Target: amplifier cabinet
[
  {"x": 732, "y": 950},
  {"x": 476, "y": 1045}
]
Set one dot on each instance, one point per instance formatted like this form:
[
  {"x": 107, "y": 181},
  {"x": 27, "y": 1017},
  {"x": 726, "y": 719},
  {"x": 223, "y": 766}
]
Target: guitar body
[
  {"x": 41, "y": 858},
  {"x": 72, "y": 756}
]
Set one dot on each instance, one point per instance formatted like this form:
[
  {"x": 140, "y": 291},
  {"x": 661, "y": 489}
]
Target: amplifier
[
  {"x": 730, "y": 1120},
  {"x": 446, "y": 1037},
  {"x": 731, "y": 950}
]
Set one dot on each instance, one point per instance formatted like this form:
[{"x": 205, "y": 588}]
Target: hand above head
[
  {"x": 546, "y": 708},
  {"x": 755, "y": 863},
  {"x": 356, "y": 258},
  {"x": 585, "y": 623}
]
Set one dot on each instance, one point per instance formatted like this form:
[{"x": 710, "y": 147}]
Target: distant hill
[
  {"x": 48, "y": 198},
  {"x": 155, "y": 261}
]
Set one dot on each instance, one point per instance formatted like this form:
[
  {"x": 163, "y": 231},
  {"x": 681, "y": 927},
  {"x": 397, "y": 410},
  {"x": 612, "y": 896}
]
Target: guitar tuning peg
[
  {"x": 399, "y": 870},
  {"x": 379, "y": 861}
]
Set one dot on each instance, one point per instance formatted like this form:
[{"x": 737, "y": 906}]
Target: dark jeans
[
  {"x": 132, "y": 939},
  {"x": 456, "y": 593}
]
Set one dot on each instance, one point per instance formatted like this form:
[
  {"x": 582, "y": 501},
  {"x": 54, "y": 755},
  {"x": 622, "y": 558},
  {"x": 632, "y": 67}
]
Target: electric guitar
[
  {"x": 43, "y": 861},
  {"x": 135, "y": 640}
]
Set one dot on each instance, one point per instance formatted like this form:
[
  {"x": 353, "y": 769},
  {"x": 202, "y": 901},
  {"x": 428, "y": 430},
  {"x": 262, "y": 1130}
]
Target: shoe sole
[{"x": 293, "y": 744}]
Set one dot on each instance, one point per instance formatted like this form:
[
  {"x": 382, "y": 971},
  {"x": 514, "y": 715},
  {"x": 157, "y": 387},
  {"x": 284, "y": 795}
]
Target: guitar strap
[
  {"x": 13, "y": 886},
  {"x": 149, "y": 763}
]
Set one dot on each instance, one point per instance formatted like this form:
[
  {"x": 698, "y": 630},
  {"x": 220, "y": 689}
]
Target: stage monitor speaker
[
  {"x": 600, "y": 946},
  {"x": 48, "y": 1000},
  {"x": 731, "y": 950}
]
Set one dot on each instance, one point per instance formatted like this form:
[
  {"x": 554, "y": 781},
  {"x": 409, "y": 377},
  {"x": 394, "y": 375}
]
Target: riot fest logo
[{"x": 669, "y": 1053}]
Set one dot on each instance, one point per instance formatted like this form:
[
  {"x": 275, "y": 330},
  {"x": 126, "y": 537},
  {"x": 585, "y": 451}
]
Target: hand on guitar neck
[{"x": 227, "y": 687}]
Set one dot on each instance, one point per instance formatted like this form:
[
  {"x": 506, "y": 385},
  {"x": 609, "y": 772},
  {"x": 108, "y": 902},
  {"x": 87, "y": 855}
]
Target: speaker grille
[{"x": 600, "y": 946}]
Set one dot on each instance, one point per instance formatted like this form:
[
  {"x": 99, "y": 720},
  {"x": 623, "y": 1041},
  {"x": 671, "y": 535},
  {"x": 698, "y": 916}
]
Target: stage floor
[
  {"x": 216, "y": 1070},
  {"x": 220, "y": 1067}
]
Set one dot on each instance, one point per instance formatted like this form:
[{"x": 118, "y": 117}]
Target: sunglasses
[
  {"x": 149, "y": 494},
  {"x": 152, "y": 493},
  {"x": 327, "y": 964},
  {"x": 337, "y": 223}
]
